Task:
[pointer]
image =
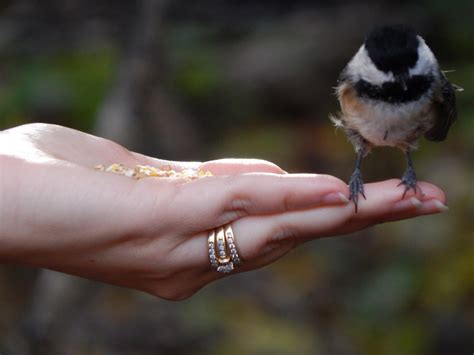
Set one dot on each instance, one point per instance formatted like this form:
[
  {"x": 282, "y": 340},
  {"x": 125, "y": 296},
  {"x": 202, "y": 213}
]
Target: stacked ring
[
  {"x": 223, "y": 254},
  {"x": 229, "y": 235}
]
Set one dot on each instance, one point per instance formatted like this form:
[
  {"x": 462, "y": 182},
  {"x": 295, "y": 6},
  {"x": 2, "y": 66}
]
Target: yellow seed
[{"x": 142, "y": 171}]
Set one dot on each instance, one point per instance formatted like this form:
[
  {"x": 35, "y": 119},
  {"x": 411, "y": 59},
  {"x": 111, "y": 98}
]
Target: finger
[
  {"x": 223, "y": 199},
  {"x": 252, "y": 243},
  {"x": 279, "y": 233},
  {"x": 383, "y": 204},
  {"x": 216, "y": 167},
  {"x": 385, "y": 199},
  {"x": 240, "y": 166},
  {"x": 142, "y": 159},
  {"x": 263, "y": 239},
  {"x": 386, "y": 203}
]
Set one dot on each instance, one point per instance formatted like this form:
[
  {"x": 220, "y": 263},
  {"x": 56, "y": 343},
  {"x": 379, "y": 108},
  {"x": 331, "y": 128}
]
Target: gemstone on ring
[
  {"x": 226, "y": 268},
  {"x": 234, "y": 255},
  {"x": 212, "y": 254}
]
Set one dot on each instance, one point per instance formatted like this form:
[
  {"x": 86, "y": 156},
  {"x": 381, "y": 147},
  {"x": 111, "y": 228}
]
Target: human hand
[{"x": 59, "y": 213}]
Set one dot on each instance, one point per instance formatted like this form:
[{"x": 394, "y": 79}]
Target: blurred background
[{"x": 212, "y": 78}]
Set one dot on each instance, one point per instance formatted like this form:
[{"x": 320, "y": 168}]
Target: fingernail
[
  {"x": 407, "y": 204},
  {"x": 335, "y": 198},
  {"x": 415, "y": 202},
  {"x": 440, "y": 206}
]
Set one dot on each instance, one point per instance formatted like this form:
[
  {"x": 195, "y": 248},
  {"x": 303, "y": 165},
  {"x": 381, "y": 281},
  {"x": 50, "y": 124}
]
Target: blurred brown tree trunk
[{"x": 139, "y": 113}]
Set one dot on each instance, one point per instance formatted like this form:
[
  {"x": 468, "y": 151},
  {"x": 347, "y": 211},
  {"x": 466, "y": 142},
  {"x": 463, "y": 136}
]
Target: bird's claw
[
  {"x": 356, "y": 187},
  {"x": 410, "y": 182}
]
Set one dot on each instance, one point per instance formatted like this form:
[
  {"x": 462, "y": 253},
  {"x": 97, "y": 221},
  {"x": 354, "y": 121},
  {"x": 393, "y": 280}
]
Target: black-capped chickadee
[{"x": 391, "y": 93}]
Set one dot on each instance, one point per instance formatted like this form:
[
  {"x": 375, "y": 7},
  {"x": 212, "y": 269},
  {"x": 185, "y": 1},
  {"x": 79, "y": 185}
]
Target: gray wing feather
[{"x": 445, "y": 111}]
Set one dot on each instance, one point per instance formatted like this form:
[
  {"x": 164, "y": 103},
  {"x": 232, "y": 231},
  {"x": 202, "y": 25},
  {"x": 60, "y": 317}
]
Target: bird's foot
[
  {"x": 356, "y": 187},
  {"x": 410, "y": 182}
]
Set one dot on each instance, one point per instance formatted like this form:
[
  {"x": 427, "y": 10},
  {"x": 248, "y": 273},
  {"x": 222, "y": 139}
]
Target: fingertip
[
  {"x": 392, "y": 188},
  {"x": 386, "y": 201},
  {"x": 431, "y": 206},
  {"x": 432, "y": 192},
  {"x": 332, "y": 183},
  {"x": 335, "y": 198},
  {"x": 440, "y": 206}
]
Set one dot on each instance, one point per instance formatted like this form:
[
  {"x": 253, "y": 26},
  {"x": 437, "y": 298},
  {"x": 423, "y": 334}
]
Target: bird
[{"x": 391, "y": 93}]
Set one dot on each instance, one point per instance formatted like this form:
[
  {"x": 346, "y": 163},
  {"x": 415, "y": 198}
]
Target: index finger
[{"x": 222, "y": 199}]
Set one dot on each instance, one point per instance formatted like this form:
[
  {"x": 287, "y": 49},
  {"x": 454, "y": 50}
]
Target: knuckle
[
  {"x": 234, "y": 209},
  {"x": 283, "y": 232},
  {"x": 237, "y": 200},
  {"x": 334, "y": 180},
  {"x": 282, "y": 236},
  {"x": 288, "y": 201},
  {"x": 240, "y": 204}
]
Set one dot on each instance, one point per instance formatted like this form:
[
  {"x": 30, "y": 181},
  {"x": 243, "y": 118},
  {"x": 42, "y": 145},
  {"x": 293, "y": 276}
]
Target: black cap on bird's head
[{"x": 393, "y": 49}]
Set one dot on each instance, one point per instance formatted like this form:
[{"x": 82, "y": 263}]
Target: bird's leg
[
  {"x": 356, "y": 185},
  {"x": 409, "y": 178}
]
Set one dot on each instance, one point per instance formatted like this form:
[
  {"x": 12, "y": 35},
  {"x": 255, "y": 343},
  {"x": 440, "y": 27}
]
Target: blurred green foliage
[{"x": 67, "y": 87}]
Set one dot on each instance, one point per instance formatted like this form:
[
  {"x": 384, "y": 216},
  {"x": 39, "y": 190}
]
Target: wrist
[{"x": 9, "y": 167}]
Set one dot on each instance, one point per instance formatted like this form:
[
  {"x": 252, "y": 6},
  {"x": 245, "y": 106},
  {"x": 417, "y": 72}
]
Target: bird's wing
[{"x": 444, "y": 111}]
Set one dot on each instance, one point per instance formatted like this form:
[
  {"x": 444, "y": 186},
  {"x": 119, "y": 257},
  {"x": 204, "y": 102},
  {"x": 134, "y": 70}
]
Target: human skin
[{"x": 58, "y": 212}]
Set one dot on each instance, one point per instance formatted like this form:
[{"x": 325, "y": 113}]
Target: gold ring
[{"x": 223, "y": 254}]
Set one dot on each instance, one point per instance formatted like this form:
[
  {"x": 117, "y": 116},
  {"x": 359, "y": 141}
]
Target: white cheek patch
[
  {"x": 426, "y": 60},
  {"x": 361, "y": 67}
]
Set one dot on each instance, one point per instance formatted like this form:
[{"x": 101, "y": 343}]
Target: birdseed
[{"x": 144, "y": 171}]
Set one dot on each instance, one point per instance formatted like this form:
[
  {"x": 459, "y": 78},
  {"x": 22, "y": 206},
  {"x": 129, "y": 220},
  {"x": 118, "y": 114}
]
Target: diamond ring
[{"x": 223, "y": 254}]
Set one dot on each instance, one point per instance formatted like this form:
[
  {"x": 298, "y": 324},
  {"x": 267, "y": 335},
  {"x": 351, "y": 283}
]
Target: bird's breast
[{"x": 382, "y": 123}]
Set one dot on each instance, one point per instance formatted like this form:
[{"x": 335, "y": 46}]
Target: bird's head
[
  {"x": 393, "y": 55},
  {"x": 393, "y": 49}
]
